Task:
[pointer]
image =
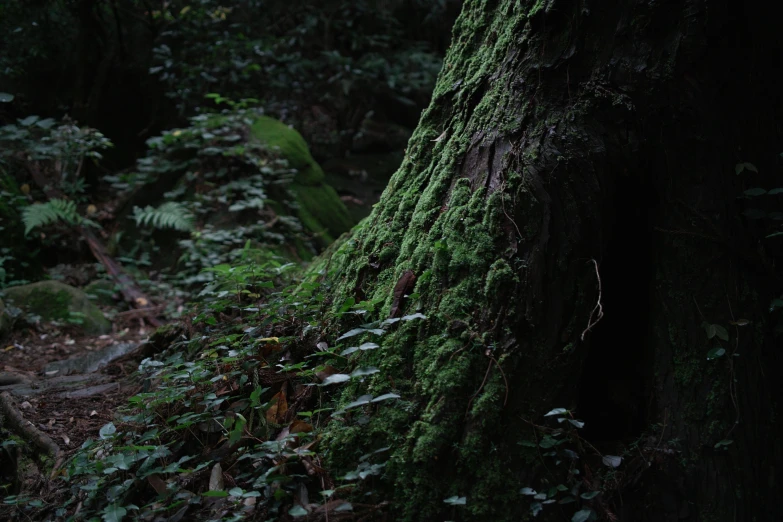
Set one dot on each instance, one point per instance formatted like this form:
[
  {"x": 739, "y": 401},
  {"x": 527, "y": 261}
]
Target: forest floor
[{"x": 67, "y": 385}]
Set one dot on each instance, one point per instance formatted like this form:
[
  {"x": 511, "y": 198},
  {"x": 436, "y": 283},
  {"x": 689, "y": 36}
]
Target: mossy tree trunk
[{"x": 563, "y": 133}]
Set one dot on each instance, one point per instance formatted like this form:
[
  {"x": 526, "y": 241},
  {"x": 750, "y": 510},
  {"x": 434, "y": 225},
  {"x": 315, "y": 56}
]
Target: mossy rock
[
  {"x": 321, "y": 211},
  {"x": 53, "y": 300}
]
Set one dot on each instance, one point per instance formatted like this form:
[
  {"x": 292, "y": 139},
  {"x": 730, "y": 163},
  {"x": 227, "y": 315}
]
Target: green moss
[
  {"x": 52, "y": 300},
  {"x": 320, "y": 208},
  {"x": 461, "y": 417}
]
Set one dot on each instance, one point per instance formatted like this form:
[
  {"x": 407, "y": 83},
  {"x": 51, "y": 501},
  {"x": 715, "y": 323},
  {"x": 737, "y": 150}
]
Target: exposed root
[
  {"x": 598, "y": 312},
  {"x": 15, "y": 420}
]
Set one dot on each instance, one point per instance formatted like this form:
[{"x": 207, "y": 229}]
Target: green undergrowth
[
  {"x": 230, "y": 177},
  {"x": 231, "y": 415}
]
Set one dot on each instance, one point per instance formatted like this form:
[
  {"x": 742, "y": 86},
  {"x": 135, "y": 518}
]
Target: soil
[{"x": 67, "y": 385}]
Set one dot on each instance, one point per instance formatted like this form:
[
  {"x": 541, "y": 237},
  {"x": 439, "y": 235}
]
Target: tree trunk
[{"x": 578, "y": 159}]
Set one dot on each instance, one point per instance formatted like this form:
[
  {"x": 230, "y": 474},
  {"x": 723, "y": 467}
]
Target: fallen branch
[{"x": 16, "y": 421}]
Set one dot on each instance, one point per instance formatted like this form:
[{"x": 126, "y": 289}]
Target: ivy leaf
[
  {"x": 361, "y": 401},
  {"x": 590, "y": 495},
  {"x": 710, "y": 328},
  {"x": 721, "y": 332},
  {"x": 528, "y": 491},
  {"x": 359, "y": 331},
  {"x": 578, "y": 424},
  {"x": 385, "y": 397},
  {"x": 755, "y": 191},
  {"x": 413, "y": 316},
  {"x": 556, "y": 411},
  {"x": 456, "y": 501},
  {"x": 361, "y": 372},
  {"x": 6, "y": 97},
  {"x": 28, "y": 121},
  {"x": 612, "y": 461},
  {"x": 337, "y": 377},
  {"x": 582, "y": 515},
  {"x": 297, "y": 511},
  {"x": 774, "y": 191},
  {"x": 535, "y": 508},
  {"x": 715, "y": 353},
  {"x": 114, "y": 513},
  {"x": 107, "y": 430}
]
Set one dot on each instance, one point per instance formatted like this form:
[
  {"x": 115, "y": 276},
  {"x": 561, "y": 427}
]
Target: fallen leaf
[
  {"x": 300, "y": 426},
  {"x": 66, "y": 440},
  {"x": 158, "y": 484},
  {"x": 326, "y": 372},
  {"x": 276, "y": 412},
  {"x": 216, "y": 482}
]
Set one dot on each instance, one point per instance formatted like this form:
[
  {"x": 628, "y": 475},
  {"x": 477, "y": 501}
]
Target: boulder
[{"x": 53, "y": 300}]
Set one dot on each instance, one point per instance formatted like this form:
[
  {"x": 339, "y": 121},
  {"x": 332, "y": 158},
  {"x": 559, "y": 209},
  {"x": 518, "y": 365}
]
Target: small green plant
[
  {"x": 51, "y": 212},
  {"x": 562, "y": 449},
  {"x": 168, "y": 215}
]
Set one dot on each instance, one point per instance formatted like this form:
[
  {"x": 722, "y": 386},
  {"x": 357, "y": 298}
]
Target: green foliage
[
  {"x": 44, "y": 214},
  {"x": 57, "y": 151},
  {"x": 231, "y": 188},
  {"x": 168, "y": 215},
  {"x": 298, "y": 50},
  {"x": 255, "y": 331},
  {"x": 564, "y": 452}
]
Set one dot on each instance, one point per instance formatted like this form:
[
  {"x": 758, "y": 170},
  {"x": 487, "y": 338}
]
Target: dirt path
[{"x": 62, "y": 387}]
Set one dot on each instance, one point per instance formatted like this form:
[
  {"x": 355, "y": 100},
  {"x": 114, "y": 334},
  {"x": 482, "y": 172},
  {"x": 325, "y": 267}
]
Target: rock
[
  {"x": 88, "y": 362},
  {"x": 53, "y": 300},
  {"x": 320, "y": 209}
]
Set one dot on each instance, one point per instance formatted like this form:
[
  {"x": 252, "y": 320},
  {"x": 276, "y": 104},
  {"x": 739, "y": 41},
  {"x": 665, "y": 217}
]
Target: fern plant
[
  {"x": 43, "y": 214},
  {"x": 169, "y": 215}
]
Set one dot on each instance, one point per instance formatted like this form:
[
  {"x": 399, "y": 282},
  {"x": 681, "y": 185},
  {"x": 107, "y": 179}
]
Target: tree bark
[{"x": 578, "y": 158}]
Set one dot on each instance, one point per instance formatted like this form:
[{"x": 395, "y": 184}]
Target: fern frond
[
  {"x": 43, "y": 214},
  {"x": 169, "y": 215}
]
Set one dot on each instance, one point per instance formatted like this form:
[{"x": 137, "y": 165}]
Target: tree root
[{"x": 27, "y": 430}]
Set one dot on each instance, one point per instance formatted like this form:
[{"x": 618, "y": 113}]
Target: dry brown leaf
[
  {"x": 300, "y": 426},
  {"x": 157, "y": 484},
  {"x": 276, "y": 412},
  {"x": 326, "y": 372}
]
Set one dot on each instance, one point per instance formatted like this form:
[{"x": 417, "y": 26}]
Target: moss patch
[
  {"x": 320, "y": 208},
  {"x": 52, "y": 300}
]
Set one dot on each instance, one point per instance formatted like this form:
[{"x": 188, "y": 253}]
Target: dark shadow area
[{"x": 614, "y": 394}]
